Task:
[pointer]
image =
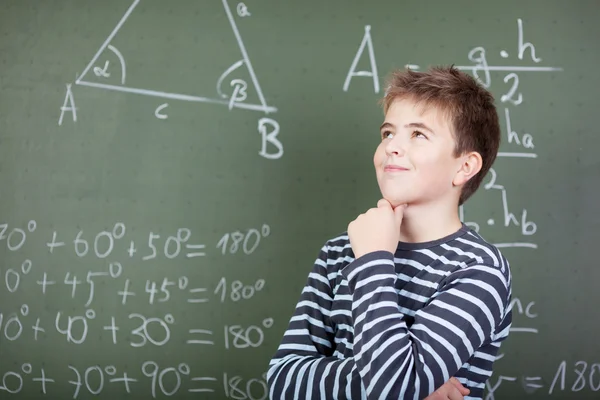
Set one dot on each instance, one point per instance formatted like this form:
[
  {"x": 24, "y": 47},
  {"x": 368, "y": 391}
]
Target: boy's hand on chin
[{"x": 377, "y": 229}]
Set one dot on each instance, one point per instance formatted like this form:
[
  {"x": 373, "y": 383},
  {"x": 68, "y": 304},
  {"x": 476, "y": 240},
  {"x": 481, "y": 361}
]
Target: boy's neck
[{"x": 428, "y": 222}]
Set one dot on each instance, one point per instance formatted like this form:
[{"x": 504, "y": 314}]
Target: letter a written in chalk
[
  {"x": 366, "y": 42},
  {"x": 70, "y": 107}
]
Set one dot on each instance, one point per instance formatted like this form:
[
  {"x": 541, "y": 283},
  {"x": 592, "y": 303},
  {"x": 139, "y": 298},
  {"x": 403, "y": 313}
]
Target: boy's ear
[{"x": 470, "y": 165}]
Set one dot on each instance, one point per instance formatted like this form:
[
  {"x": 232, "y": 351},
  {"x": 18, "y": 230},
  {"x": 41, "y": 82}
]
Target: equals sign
[
  {"x": 198, "y": 290},
  {"x": 530, "y": 385},
  {"x": 194, "y": 247},
  {"x": 201, "y": 379},
  {"x": 200, "y": 331}
]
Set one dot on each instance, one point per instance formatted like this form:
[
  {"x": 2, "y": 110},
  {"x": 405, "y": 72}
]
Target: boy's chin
[{"x": 395, "y": 201}]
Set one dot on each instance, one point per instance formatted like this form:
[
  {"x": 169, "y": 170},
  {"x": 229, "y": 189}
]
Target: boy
[{"x": 410, "y": 297}]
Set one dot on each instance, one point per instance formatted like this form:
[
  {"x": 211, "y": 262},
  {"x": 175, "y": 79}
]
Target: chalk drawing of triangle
[{"x": 234, "y": 86}]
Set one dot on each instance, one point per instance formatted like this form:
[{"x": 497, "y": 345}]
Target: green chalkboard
[{"x": 170, "y": 170}]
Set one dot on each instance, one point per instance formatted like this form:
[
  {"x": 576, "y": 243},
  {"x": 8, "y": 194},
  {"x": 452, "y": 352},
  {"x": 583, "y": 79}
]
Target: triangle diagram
[{"x": 177, "y": 53}]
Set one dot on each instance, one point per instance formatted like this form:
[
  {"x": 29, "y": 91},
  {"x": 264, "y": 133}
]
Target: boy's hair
[{"x": 468, "y": 105}]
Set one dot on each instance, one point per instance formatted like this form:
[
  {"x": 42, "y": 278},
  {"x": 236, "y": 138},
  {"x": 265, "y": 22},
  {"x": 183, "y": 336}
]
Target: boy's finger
[
  {"x": 455, "y": 394},
  {"x": 383, "y": 203},
  {"x": 463, "y": 390},
  {"x": 399, "y": 213}
]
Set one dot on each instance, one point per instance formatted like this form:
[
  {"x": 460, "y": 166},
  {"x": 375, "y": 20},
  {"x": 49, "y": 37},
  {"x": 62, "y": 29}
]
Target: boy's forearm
[
  {"x": 384, "y": 357},
  {"x": 317, "y": 377}
]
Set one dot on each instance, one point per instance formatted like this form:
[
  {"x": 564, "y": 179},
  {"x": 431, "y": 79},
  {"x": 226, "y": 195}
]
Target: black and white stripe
[{"x": 395, "y": 325}]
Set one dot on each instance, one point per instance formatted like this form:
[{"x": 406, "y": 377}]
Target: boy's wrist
[{"x": 375, "y": 262}]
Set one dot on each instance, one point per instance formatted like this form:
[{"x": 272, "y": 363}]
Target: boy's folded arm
[
  {"x": 397, "y": 362},
  {"x": 303, "y": 365}
]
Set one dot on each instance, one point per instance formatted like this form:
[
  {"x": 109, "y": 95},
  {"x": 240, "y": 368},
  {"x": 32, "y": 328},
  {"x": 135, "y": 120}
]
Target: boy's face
[{"x": 414, "y": 162}]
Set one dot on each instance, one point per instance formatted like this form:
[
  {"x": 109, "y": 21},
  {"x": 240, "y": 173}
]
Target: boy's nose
[{"x": 395, "y": 147}]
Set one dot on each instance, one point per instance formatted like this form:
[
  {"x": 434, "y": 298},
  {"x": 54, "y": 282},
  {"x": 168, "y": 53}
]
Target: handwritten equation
[
  {"x": 101, "y": 244},
  {"x": 117, "y": 283},
  {"x": 573, "y": 377},
  {"x": 151, "y": 378},
  {"x": 148, "y": 330}
]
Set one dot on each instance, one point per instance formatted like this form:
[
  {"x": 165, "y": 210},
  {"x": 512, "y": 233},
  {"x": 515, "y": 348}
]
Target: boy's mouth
[{"x": 394, "y": 168}]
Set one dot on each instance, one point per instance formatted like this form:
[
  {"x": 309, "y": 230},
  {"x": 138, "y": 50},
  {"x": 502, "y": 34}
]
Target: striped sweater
[{"x": 396, "y": 326}]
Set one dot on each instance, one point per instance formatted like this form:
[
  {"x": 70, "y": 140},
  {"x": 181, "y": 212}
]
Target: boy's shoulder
[
  {"x": 479, "y": 249},
  {"x": 337, "y": 250}
]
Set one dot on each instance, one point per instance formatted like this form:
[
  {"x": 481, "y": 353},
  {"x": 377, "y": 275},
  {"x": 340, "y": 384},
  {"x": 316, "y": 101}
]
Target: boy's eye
[
  {"x": 386, "y": 135},
  {"x": 419, "y": 134}
]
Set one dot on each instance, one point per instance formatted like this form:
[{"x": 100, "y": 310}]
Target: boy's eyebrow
[
  {"x": 419, "y": 125},
  {"x": 386, "y": 125}
]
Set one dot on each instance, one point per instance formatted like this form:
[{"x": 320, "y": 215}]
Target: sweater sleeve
[
  {"x": 397, "y": 362},
  {"x": 303, "y": 366}
]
